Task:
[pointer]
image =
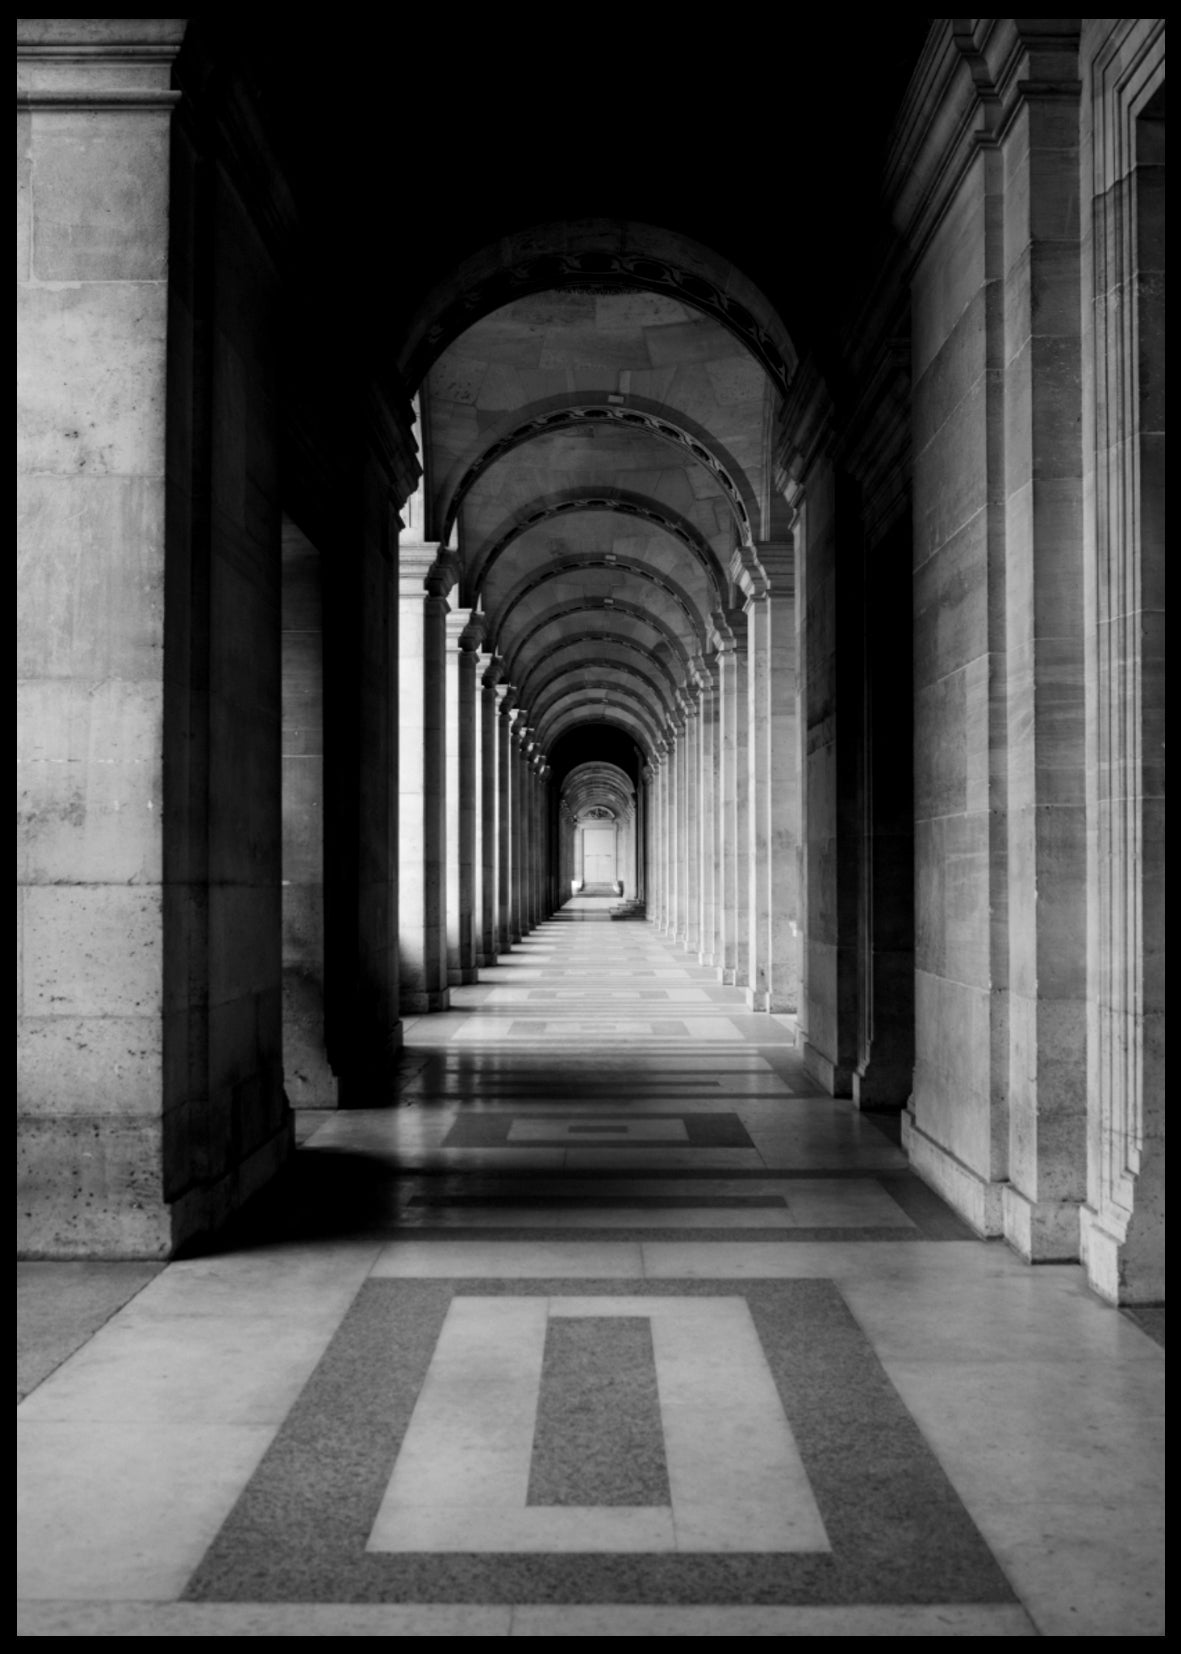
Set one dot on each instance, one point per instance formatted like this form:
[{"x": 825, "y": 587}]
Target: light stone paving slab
[
  {"x": 311, "y": 1282},
  {"x": 1093, "y": 1565},
  {"x": 171, "y": 1370},
  {"x": 264, "y": 1619},
  {"x": 176, "y": 1481}
]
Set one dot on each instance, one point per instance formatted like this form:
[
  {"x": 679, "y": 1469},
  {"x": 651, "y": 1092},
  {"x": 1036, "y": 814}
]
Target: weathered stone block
[
  {"x": 89, "y": 1065},
  {"x": 90, "y": 566},
  {"x": 90, "y": 378},
  {"x": 941, "y": 748},
  {"x": 24, "y": 168},
  {"x": 952, "y": 269},
  {"x": 958, "y": 365},
  {"x": 244, "y": 940},
  {"x": 100, "y": 196},
  {"x": 951, "y": 603},
  {"x": 91, "y": 1188},
  {"x": 92, "y": 950},
  {"x": 952, "y": 1066}
]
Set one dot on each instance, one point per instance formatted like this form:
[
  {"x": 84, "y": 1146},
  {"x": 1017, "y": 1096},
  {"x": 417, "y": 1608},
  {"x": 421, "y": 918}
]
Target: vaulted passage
[{"x": 591, "y": 833}]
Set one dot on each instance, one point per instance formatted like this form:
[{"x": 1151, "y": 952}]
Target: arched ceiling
[
  {"x": 598, "y": 784},
  {"x": 594, "y": 455}
]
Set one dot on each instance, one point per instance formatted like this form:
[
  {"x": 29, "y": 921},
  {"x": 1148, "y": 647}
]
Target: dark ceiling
[{"x": 412, "y": 146}]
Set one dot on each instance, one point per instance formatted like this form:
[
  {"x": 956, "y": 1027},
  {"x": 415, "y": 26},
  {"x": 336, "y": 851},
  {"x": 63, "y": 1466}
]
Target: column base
[
  {"x": 883, "y": 1087},
  {"x": 758, "y": 999},
  {"x": 977, "y": 1200},
  {"x": 837, "y": 1081},
  {"x": 421, "y": 1004},
  {"x": 1040, "y": 1231},
  {"x": 484, "y": 961},
  {"x": 1111, "y": 1271},
  {"x": 457, "y": 979}
]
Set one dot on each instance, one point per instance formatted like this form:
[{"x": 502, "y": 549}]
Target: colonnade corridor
[{"x": 613, "y": 1325}]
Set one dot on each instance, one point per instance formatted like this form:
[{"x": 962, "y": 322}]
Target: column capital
[
  {"x": 423, "y": 567},
  {"x": 493, "y": 672},
  {"x": 457, "y": 620},
  {"x": 725, "y": 630},
  {"x": 506, "y": 700},
  {"x": 472, "y": 636},
  {"x": 748, "y": 574}
]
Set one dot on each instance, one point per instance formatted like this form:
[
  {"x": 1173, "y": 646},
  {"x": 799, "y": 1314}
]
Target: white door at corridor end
[{"x": 598, "y": 854}]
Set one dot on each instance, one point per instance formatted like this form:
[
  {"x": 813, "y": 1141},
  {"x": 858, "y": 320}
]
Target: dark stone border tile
[{"x": 899, "y": 1532}]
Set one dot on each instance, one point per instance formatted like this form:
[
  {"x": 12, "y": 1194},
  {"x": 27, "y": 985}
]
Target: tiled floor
[{"x": 614, "y": 1326}]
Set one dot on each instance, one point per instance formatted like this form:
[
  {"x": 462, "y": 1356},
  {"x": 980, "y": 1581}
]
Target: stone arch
[
  {"x": 559, "y": 612},
  {"x": 529, "y": 583},
  {"x": 606, "y": 253},
  {"x": 618, "y": 500},
  {"x": 635, "y": 413}
]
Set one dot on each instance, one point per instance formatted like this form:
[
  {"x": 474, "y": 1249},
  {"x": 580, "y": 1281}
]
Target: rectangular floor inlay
[
  {"x": 376, "y": 1452},
  {"x": 635, "y": 1130},
  {"x": 736, "y": 1478}
]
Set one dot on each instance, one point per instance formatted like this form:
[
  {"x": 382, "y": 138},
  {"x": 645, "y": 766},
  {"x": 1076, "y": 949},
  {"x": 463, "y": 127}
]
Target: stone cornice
[
  {"x": 803, "y": 431},
  {"x": 423, "y": 567},
  {"x": 389, "y": 429},
  {"x": 122, "y": 64},
  {"x": 455, "y": 623},
  {"x": 972, "y": 78}
]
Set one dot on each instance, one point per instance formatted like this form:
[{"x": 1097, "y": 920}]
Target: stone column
[
  {"x": 765, "y": 576},
  {"x": 504, "y": 816},
  {"x": 749, "y": 577},
  {"x": 307, "y": 1075},
  {"x": 489, "y": 920},
  {"x": 666, "y": 826},
  {"x": 464, "y": 634},
  {"x": 676, "y": 828},
  {"x": 516, "y": 825},
  {"x": 529, "y": 830},
  {"x": 692, "y": 748},
  {"x": 93, "y": 292},
  {"x": 656, "y": 841},
  {"x": 1047, "y": 843},
  {"x": 707, "y": 725},
  {"x": 422, "y": 776},
  {"x": 1123, "y": 305},
  {"x": 734, "y": 895}
]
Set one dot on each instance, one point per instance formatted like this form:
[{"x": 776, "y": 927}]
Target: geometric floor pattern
[{"x": 608, "y": 1324}]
